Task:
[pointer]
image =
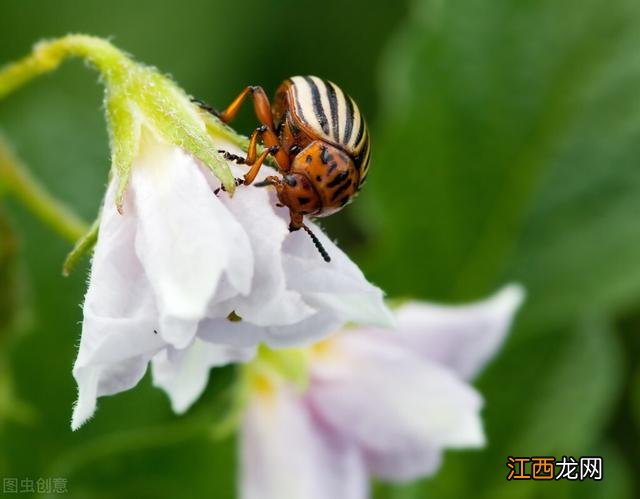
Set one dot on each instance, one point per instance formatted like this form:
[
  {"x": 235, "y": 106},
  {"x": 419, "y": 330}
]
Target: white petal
[
  {"x": 338, "y": 286},
  {"x": 400, "y": 409},
  {"x": 118, "y": 336},
  {"x": 184, "y": 374},
  {"x": 285, "y": 455},
  {"x": 296, "y": 297},
  {"x": 270, "y": 303},
  {"x": 463, "y": 337},
  {"x": 186, "y": 240},
  {"x": 244, "y": 334}
]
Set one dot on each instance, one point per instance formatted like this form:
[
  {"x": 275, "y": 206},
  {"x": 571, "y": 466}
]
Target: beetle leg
[
  {"x": 250, "y": 176},
  {"x": 204, "y": 106},
  {"x": 271, "y": 143},
  {"x": 238, "y": 181},
  {"x": 296, "y": 220},
  {"x": 252, "y": 151},
  {"x": 233, "y": 157},
  {"x": 267, "y": 132},
  {"x": 260, "y": 103}
]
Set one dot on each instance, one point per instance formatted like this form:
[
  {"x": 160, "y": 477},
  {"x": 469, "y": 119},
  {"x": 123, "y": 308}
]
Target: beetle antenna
[
  {"x": 317, "y": 243},
  {"x": 263, "y": 183}
]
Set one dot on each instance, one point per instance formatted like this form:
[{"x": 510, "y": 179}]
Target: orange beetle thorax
[{"x": 331, "y": 173}]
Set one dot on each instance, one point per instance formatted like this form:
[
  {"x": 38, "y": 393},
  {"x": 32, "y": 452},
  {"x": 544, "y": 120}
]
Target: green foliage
[
  {"x": 9, "y": 287},
  {"x": 505, "y": 148},
  {"x": 509, "y": 152},
  {"x": 136, "y": 447}
]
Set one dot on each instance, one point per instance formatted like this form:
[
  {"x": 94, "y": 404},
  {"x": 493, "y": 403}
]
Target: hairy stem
[
  {"x": 15, "y": 179},
  {"x": 47, "y": 55}
]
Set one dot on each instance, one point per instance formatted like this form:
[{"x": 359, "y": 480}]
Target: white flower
[
  {"x": 168, "y": 272},
  {"x": 379, "y": 403}
]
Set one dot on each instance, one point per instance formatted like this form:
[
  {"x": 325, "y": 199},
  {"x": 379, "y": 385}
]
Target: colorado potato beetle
[{"x": 320, "y": 143}]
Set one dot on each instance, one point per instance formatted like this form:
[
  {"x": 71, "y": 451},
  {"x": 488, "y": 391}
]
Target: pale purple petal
[
  {"x": 415, "y": 460},
  {"x": 338, "y": 286},
  {"x": 296, "y": 298},
  {"x": 461, "y": 337},
  {"x": 284, "y": 454},
  {"x": 269, "y": 303},
  {"x": 243, "y": 333},
  {"x": 400, "y": 409},
  {"x": 118, "y": 336},
  {"x": 186, "y": 239},
  {"x": 183, "y": 374}
]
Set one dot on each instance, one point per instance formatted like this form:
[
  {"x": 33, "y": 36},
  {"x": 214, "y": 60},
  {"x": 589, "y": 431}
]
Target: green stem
[
  {"x": 205, "y": 425},
  {"x": 114, "y": 67},
  {"x": 48, "y": 54},
  {"x": 122, "y": 442},
  {"x": 15, "y": 178}
]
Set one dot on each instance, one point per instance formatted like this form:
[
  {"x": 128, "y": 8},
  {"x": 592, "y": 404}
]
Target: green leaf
[
  {"x": 509, "y": 151},
  {"x": 509, "y": 144}
]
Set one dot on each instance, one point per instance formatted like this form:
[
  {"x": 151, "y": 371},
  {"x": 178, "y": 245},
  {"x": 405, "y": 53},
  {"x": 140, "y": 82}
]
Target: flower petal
[
  {"x": 186, "y": 239},
  {"x": 296, "y": 298},
  {"x": 285, "y": 455},
  {"x": 338, "y": 286},
  {"x": 461, "y": 337},
  {"x": 183, "y": 374},
  {"x": 270, "y": 303},
  {"x": 119, "y": 314},
  {"x": 400, "y": 409},
  {"x": 244, "y": 334}
]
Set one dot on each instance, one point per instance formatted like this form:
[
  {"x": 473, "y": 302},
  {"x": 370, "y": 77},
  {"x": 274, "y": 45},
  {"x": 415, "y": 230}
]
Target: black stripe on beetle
[
  {"x": 339, "y": 178},
  {"x": 340, "y": 190},
  {"x": 360, "y": 131},
  {"x": 298, "y": 106},
  {"x": 317, "y": 105},
  {"x": 333, "y": 106},
  {"x": 361, "y": 158},
  {"x": 363, "y": 179},
  {"x": 348, "y": 120}
]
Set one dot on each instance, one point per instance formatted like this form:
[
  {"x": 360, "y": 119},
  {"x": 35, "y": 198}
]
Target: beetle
[{"x": 320, "y": 143}]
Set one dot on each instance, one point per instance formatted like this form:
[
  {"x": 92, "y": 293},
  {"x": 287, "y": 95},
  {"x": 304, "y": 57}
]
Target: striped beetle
[{"x": 319, "y": 140}]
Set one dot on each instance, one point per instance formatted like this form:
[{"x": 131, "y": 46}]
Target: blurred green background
[{"x": 506, "y": 142}]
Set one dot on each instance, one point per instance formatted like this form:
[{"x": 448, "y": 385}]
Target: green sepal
[
  {"x": 173, "y": 114},
  {"x": 136, "y": 96},
  {"x": 124, "y": 137},
  {"x": 290, "y": 363},
  {"x": 85, "y": 244}
]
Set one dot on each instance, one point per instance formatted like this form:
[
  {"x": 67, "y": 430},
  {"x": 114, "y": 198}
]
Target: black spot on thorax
[{"x": 325, "y": 157}]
